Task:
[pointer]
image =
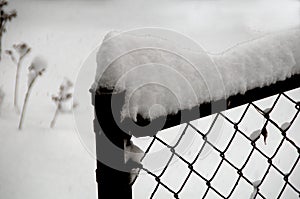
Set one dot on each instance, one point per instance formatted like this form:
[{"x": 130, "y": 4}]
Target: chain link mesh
[{"x": 282, "y": 130}]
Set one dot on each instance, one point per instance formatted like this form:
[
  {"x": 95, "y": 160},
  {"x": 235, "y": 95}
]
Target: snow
[
  {"x": 39, "y": 162},
  {"x": 32, "y": 74},
  {"x": 65, "y": 97},
  {"x": 37, "y": 67},
  {"x": 21, "y": 48},
  {"x": 134, "y": 154},
  {"x": 158, "y": 70},
  {"x": 38, "y": 64},
  {"x": 255, "y": 135},
  {"x": 267, "y": 110},
  {"x": 256, "y": 183},
  {"x": 253, "y": 194},
  {"x": 285, "y": 126},
  {"x": 255, "y": 188},
  {"x": 2, "y": 95}
]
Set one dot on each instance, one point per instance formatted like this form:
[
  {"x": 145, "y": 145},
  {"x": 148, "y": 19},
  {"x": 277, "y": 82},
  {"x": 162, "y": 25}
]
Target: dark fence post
[{"x": 112, "y": 174}]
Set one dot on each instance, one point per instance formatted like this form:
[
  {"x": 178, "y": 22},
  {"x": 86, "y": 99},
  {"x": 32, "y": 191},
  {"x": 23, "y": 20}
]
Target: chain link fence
[{"x": 265, "y": 163}]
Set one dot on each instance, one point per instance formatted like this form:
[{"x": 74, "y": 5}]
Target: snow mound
[
  {"x": 255, "y": 135},
  {"x": 158, "y": 71},
  {"x": 255, "y": 189},
  {"x": 285, "y": 126}
]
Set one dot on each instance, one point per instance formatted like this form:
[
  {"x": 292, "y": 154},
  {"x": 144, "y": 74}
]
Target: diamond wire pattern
[{"x": 222, "y": 154}]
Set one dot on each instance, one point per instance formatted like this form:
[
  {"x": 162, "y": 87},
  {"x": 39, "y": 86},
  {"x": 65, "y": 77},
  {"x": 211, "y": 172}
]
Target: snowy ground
[{"x": 39, "y": 162}]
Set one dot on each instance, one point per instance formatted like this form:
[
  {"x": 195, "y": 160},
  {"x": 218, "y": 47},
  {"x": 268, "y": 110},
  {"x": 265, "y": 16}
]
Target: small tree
[
  {"x": 4, "y": 18},
  {"x": 36, "y": 69},
  {"x": 63, "y": 95},
  {"x": 22, "y": 49}
]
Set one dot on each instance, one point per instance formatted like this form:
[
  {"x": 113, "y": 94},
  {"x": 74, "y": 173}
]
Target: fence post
[{"x": 112, "y": 174}]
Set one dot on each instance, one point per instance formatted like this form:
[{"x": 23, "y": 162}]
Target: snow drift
[{"x": 162, "y": 76}]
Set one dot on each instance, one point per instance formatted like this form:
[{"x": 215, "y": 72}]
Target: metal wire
[{"x": 284, "y": 137}]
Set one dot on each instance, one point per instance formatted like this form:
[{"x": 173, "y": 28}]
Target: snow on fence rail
[{"x": 131, "y": 61}]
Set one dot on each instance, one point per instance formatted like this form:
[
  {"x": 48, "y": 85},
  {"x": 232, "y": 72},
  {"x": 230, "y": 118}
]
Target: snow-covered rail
[{"x": 154, "y": 70}]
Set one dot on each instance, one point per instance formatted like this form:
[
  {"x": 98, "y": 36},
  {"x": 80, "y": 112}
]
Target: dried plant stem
[
  {"x": 16, "y": 87},
  {"x": 25, "y": 103},
  {"x": 1, "y": 34},
  {"x": 0, "y": 44},
  {"x": 17, "y": 82},
  {"x": 55, "y": 115}
]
